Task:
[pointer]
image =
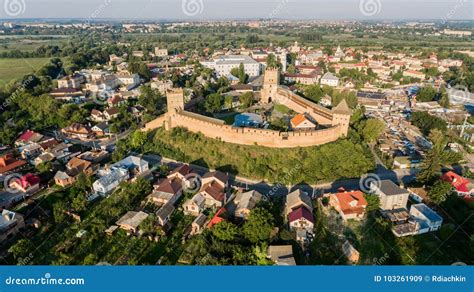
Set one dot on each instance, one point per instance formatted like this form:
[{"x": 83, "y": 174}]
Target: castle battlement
[{"x": 336, "y": 120}]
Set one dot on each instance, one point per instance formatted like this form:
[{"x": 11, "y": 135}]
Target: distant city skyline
[{"x": 195, "y": 10}]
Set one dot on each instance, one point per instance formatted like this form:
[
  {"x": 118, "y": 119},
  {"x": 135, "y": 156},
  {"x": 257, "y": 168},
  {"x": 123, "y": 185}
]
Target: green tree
[
  {"x": 259, "y": 226},
  {"x": 246, "y": 99},
  {"x": 440, "y": 191},
  {"x": 225, "y": 231},
  {"x": 313, "y": 92},
  {"x": 435, "y": 158},
  {"x": 426, "y": 93},
  {"x": 213, "y": 103},
  {"x": 371, "y": 129},
  {"x": 21, "y": 248}
]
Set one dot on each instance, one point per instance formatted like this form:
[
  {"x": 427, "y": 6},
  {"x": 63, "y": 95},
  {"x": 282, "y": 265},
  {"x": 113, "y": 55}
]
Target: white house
[
  {"x": 391, "y": 196},
  {"x": 330, "y": 80},
  {"x": 427, "y": 219},
  {"x": 106, "y": 184}
]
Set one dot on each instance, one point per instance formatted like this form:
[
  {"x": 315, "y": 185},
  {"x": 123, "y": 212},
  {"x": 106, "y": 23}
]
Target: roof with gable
[
  {"x": 29, "y": 180},
  {"x": 351, "y": 202},
  {"x": 8, "y": 163},
  {"x": 214, "y": 190},
  {"x": 299, "y": 213}
]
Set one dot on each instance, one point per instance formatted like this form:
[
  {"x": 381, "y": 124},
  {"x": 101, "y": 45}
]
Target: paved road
[{"x": 400, "y": 175}]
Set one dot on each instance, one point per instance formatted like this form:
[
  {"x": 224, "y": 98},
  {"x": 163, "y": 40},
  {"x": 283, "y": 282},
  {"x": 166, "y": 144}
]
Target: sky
[{"x": 239, "y": 9}]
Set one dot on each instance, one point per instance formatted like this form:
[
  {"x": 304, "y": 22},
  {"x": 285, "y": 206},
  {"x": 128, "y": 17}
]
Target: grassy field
[
  {"x": 340, "y": 159},
  {"x": 17, "y": 68}
]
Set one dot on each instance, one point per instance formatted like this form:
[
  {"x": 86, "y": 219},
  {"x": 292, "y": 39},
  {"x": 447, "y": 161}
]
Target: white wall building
[{"x": 224, "y": 64}]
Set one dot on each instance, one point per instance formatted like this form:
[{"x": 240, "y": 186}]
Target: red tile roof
[
  {"x": 8, "y": 163},
  {"x": 346, "y": 198}
]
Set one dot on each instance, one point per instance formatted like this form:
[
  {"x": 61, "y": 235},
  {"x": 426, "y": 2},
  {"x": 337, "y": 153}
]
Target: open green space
[
  {"x": 340, "y": 159},
  {"x": 11, "y": 69}
]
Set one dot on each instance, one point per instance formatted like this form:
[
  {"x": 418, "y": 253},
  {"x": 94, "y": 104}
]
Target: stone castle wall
[{"x": 246, "y": 136}]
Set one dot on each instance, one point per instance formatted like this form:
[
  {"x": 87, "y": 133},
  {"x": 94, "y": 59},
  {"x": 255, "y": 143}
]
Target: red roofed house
[
  {"x": 213, "y": 188},
  {"x": 28, "y": 137},
  {"x": 350, "y": 205},
  {"x": 301, "y": 219},
  {"x": 462, "y": 185},
  {"x": 9, "y": 163},
  {"x": 301, "y": 122},
  {"x": 29, "y": 183}
]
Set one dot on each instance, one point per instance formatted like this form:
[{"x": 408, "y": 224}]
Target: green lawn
[{"x": 11, "y": 69}]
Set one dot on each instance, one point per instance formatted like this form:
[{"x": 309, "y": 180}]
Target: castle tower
[
  {"x": 271, "y": 80},
  {"x": 341, "y": 115},
  {"x": 175, "y": 100}
]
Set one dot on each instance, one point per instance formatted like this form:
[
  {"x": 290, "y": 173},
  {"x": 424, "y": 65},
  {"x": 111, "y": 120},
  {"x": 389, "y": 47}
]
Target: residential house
[
  {"x": 133, "y": 164},
  {"x": 30, "y": 151},
  {"x": 297, "y": 199},
  {"x": 167, "y": 191},
  {"x": 421, "y": 220},
  {"x": 28, "y": 137},
  {"x": 163, "y": 215},
  {"x": 281, "y": 255},
  {"x": 195, "y": 205},
  {"x": 107, "y": 183},
  {"x": 391, "y": 195},
  {"x": 330, "y": 80},
  {"x": 350, "y": 205},
  {"x": 198, "y": 224},
  {"x": 101, "y": 129},
  {"x": 301, "y": 219},
  {"x": 428, "y": 219},
  {"x": 79, "y": 131},
  {"x": 74, "y": 168},
  {"x": 131, "y": 221},
  {"x": 9, "y": 164},
  {"x": 245, "y": 202},
  {"x": 302, "y": 122},
  {"x": 10, "y": 224},
  {"x": 29, "y": 183},
  {"x": 213, "y": 193},
  {"x": 213, "y": 188}
]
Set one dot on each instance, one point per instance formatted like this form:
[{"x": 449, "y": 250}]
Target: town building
[
  {"x": 223, "y": 65},
  {"x": 349, "y": 204},
  {"x": 391, "y": 195}
]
